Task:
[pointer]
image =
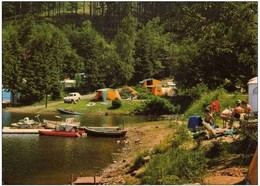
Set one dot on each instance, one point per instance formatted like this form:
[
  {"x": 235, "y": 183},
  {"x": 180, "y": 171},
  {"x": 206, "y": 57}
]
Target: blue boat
[{"x": 66, "y": 111}]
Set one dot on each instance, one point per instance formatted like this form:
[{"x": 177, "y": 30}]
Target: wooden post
[
  {"x": 71, "y": 181},
  {"x": 46, "y": 100},
  {"x": 94, "y": 180}
]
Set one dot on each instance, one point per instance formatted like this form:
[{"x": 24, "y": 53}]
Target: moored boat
[
  {"x": 105, "y": 131},
  {"x": 64, "y": 130},
  {"x": 66, "y": 111},
  {"x": 61, "y": 133},
  {"x": 50, "y": 124},
  {"x": 27, "y": 123}
]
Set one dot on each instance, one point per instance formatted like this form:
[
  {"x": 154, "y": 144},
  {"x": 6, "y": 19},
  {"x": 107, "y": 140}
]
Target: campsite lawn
[{"x": 98, "y": 107}]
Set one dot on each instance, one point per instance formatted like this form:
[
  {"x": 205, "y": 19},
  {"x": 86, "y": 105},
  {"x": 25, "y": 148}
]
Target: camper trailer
[
  {"x": 154, "y": 85},
  {"x": 252, "y": 93}
]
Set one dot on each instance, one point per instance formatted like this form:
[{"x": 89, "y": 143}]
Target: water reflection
[
  {"x": 86, "y": 120},
  {"x": 33, "y": 159}
]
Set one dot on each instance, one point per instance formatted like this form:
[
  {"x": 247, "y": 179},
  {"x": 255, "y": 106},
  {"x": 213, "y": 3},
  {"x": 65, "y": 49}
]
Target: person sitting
[
  {"x": 238, "y": 110},
  {"x": 247, "y": 107},
  {"x": 208, "y": 117}
]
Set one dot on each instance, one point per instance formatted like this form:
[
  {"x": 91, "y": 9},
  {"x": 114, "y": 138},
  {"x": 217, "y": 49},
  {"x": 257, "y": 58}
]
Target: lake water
[{"x": 31, "y": 159}]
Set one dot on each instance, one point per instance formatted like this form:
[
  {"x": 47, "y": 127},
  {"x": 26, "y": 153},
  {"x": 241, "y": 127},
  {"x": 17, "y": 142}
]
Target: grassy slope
[{"x": 99, "y": 108}]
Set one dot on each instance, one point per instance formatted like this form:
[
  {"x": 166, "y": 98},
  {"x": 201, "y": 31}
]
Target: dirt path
[{"x": 139, "y": 139}]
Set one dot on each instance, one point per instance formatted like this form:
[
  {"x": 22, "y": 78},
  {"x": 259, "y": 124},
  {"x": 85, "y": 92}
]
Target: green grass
[{"x": 99, "y": 108}]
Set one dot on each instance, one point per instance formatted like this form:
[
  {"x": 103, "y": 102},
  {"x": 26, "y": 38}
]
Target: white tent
[{"x": 252, "y": 93}]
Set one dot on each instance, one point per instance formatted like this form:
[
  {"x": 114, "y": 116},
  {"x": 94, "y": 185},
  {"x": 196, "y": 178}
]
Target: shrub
[
  {"x": 226, "y": 100},
  {"x": 195, "y": 92},
  {"x": 139, "y": 160},
  {"x": 116, "y": 103},
  {"x": 181, "y": 137},
  {"x": 177, "y": 166},
  {"x": 157, "y": 106},
  {"x": 143, "y": 93},
  {"x": 215, "y": 150}
]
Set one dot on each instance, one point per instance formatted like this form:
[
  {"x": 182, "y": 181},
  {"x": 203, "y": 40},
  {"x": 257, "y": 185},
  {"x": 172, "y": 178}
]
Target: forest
[{"x": 111, "y": 44}]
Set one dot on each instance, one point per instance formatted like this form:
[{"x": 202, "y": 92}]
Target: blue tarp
[{"x": 194, "y": 121}]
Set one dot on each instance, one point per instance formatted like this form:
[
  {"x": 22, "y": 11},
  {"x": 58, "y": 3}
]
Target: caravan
[{"x": 252, "y": 93}]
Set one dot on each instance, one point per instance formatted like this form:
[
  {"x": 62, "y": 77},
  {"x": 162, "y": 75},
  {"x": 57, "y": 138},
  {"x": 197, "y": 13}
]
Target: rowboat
[
  {"x": 105, "y": 131},
  {"x": 66, "y": 111},
  {"x": 61, "y": 133},
  {"x": 50, "y": 124}
]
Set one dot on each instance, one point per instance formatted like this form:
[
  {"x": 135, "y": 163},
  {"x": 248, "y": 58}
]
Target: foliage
[
  {"x": 226, "y": 100},
  {"x": 181, "y": 137},
  {"x": 215, "y": 150},
  {"x": 217, "y": 45},
  {"x": 195, "y": 92},
  {"x": 139, "y": 160},
  {"x": 116, "y": 103},
  {"x": 143, "y": 93},
  {"x": 40, "y": 72},
  {"x": 182, "y": 101},
  {"x": 163, "y": 146},
  {"x": 157, "y": 106},
  {"x": 150, "y": 50},
  {"x": 199, "y": 44},
  {"x": 125, "y": 47},
  {"x": 176, "y": 166},
  {"x": 12, "y": 59}
]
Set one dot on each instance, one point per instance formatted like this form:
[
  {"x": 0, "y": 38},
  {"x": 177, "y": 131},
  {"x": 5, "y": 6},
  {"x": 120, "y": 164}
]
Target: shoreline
[{"x": 138, "y": 139}]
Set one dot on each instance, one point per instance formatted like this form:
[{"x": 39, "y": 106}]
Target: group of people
[{"x": 242, "y": 107}]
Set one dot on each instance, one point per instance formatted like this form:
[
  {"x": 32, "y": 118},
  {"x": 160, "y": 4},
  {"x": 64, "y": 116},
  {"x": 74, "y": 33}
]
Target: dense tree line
[{"x": 119, "y": 43}]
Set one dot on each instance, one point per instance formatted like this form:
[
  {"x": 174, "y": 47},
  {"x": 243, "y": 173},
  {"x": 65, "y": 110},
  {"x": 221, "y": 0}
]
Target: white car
[{"x": 72, "y": 97}]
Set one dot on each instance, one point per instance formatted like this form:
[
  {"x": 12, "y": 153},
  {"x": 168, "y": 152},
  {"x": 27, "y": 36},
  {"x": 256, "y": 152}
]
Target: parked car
[{"x": 72, "y": 97}]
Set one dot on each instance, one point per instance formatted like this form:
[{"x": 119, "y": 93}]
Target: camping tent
[
  {"x": 252, "y": 93},
  {"x": 107, "y": 94}
]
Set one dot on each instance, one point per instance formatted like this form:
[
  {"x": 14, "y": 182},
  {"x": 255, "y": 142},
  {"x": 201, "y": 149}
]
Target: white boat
[
  {"x": 50, "y": 124},
  {"x": 27, "y": 123}
]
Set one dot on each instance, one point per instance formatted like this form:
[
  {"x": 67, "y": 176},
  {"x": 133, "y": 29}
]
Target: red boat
[{"x": 62, "y": 133}]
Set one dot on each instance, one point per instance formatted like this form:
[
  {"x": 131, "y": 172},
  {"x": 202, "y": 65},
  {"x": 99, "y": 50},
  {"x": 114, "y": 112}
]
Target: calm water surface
[{"x": 32, "y": 159}]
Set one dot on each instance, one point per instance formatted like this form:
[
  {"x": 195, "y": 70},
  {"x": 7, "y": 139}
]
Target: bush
[
  {"x": 139, "y": 160},
  {"x": 177, "y": 166},
  {"x": 226, "y": 100},
  {"x": 116, "y": 103},
  {"x": 143, "y": 93},
  {"x": 181, "y": 137},
  {"x": 195, "y": 92},
  {"x": 156, "y": 106}
]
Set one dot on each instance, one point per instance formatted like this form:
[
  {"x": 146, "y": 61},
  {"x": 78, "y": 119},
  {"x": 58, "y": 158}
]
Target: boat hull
[
  {"x": 103, "y": 132},
  {"x": 65, "y": 111},
  {"x": 61, "y": 133}
]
